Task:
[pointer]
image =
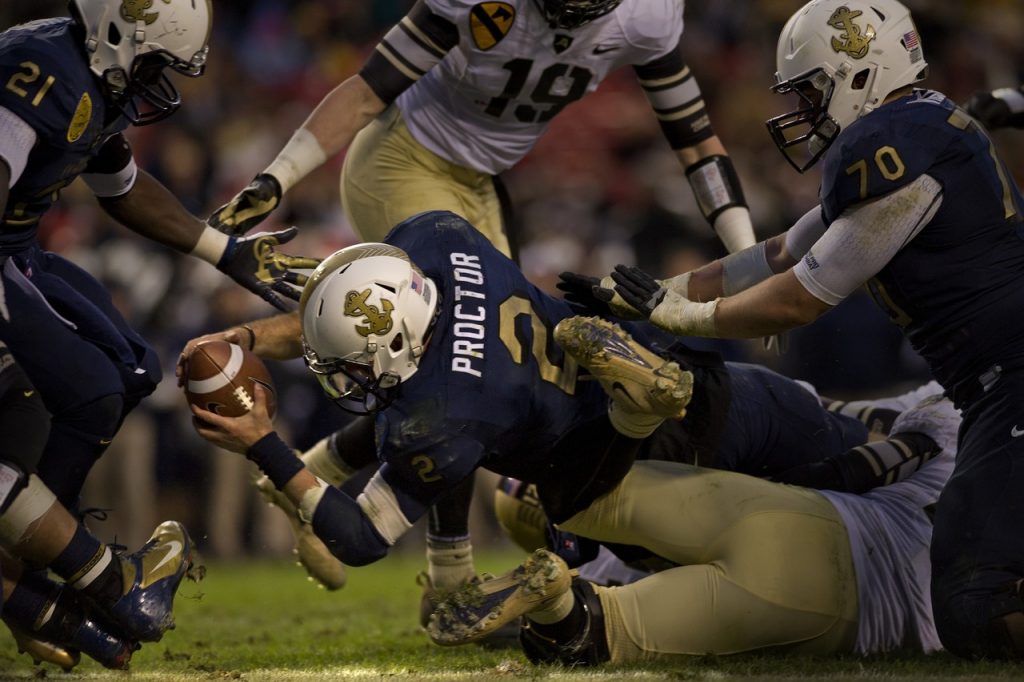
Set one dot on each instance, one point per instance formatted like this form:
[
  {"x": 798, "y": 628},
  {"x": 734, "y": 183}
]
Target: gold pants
[
  {"x": 762, "y": 565},
  {"x": 388, "y": 176}
]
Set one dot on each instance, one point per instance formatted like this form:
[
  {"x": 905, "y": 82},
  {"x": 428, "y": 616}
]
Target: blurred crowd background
[{"x": 600, "y": 188}]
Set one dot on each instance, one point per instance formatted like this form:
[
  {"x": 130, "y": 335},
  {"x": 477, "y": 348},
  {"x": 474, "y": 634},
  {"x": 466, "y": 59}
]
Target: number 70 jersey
[{"x": 493, "y": 95}]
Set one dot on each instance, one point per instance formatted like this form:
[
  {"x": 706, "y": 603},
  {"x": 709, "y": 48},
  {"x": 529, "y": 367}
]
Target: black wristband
[{"x": 274, "y": 458}]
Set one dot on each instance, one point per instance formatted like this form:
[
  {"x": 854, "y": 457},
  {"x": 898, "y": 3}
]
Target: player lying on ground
[
  {"x": 110, "y": 602},
  {"x": 917, "y": 206},
  {"x": 451, "y": 359},
  {"x": 757, "y": 566}
]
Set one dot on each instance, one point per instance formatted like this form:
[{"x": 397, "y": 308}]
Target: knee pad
[
  {"x": 22, "y": 505},
  {"x": 24, "y": 423},
  {"x": 94, "y": 422},
  {"x": 589, "y": 647},
  {"x": 520, "y": 514}
]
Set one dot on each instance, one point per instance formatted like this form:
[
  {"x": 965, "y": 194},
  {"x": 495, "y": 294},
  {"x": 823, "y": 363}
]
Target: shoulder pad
[
  {"x": 45, "y": 83},
  {"x": 653, "y": 26},
  {"x": 882, "y": 152},
  {"x": 452, "y": 10}
]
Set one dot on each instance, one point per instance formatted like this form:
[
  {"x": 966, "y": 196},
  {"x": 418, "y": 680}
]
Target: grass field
[{"x": 264, "y": 621}]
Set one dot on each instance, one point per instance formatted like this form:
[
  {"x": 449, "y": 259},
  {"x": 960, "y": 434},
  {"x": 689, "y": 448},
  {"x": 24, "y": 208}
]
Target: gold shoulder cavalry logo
[
  {"x": 138, "y": 10},
  {"x": 375, "y": 322},
  {"x": 853, "y": 40},
  {"x": 81, "y": 118},
  {"x": 489, "y": 22}
]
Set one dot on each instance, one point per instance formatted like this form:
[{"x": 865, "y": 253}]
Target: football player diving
[
  {"x": 108, "y": 603},
  {"x": 458, "y": 92},
  {"x": 916, "y": 205},
  {"x": 444, "y": 345},
  {"x": 73, "y": 85}
]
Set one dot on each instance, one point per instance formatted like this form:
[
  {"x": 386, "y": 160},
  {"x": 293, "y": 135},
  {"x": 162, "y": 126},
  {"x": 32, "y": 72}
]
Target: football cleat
[
  {"x": 933, "y": 416},
  {"x": 101, "y": 645},
  {"x": 322, "y": 566},
  {"x": 480, "y": 608},
  {"x": 637, "y": 379},
  {"x": 151, "y": 575},
  {"x": 505, "y": 637},
  {"x": 42, "y": 651}
]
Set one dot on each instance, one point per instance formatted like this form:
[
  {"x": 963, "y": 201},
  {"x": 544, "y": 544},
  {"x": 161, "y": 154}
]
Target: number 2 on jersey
[
  {"x": 543, "y": 93},
  {"x": 511, "y": 309}
]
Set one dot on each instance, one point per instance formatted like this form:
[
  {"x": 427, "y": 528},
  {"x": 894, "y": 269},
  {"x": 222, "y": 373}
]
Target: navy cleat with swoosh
[{"x": 151, "y": 577}]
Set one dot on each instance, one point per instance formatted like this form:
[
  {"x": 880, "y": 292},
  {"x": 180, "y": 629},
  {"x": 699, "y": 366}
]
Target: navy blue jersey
[
  {"x": 46, "y": 82},
  {"x": 493, "y": 388},
  {"x": 955, "y": 289}
]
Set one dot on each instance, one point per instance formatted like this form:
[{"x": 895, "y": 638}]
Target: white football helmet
[
  {"x": 366, "y": 313},
  {"x": 129, "y": 43},
  {"x": 842, "y": 58}
]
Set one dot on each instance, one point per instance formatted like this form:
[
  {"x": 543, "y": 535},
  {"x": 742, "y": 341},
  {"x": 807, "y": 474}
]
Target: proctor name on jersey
[{"x": 469, "y": 331}]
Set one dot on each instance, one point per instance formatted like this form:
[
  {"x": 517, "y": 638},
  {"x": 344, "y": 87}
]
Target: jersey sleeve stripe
[
  {"x": 421, "y": 38},
  {"x": 654, "y": 84},
  {"x": 408, "y": 69},
  {"x": 685, "y": 94},
  {"x": 681, "y": 112}
]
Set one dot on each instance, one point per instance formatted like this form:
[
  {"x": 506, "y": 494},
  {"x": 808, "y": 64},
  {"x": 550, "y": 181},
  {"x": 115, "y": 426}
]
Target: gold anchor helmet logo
[
  {"x": 376, "y": 321},
  {"x": 137, "y": 10},
  {"x": 853, "y": 40}
]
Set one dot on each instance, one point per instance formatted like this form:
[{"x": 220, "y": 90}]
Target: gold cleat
[
  {"x": 44, "y": 652},
  {"x": 322, "y": 566},
  {"x": 637, "y": 379}
]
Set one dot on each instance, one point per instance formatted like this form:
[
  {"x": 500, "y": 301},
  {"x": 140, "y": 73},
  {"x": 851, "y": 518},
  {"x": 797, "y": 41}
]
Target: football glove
[
  {"x": 998, "y": 109},
  {"x": 249, "y": 207},
  {"x": 255, "y": 263},
  {"x": 639, "y": 290},
  {"x": 596, "y": 295}
]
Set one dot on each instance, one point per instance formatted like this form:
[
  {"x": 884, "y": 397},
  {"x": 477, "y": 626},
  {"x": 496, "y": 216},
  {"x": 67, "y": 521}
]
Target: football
[{"x": 220, "y": 378}]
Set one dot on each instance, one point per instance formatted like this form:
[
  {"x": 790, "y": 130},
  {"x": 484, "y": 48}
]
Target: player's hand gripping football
[
  {"x": 240, "y": 336},
  {"x": 249, "y": 207},
  {"x": 255, "y": 263},
  {"x": 596, "y": 295},
  {"x": 236, "y": 434}
]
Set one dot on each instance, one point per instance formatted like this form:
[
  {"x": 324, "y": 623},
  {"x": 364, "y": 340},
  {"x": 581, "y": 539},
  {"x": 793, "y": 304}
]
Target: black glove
[
  {"x": 993, "y": 111},
  {"x": 637, "y": 288},
  {"x": 253, "y": 262},
  {"x": 579, "y": 289},
  {"x": 249, "y": 207}
]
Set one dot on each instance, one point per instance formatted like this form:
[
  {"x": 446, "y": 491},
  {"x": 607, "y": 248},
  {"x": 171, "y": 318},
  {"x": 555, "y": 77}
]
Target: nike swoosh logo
[
  {"x": 27, "y": 394},
  {"x": 175, "y": 550},
  {"x": 617, "y": 387},
  {"x": 601, "y": 49},
  {"x": 106, "y": 441},
  {"x": 1015, "y": 432}
]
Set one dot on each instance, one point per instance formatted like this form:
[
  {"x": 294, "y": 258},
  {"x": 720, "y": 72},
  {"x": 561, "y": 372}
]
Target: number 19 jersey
[{"x": 493, "y": 95}]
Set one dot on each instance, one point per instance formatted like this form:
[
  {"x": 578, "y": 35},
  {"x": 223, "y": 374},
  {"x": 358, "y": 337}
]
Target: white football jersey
[
  {"x": 890, "y": 535},
  {"x": 492, "y": 96}
]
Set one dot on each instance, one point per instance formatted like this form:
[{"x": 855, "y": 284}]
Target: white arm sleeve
[
  {"x": 864, "y": 238},
  {"x": 801, "y": 237},
  {"x": 16, "y": 141}
]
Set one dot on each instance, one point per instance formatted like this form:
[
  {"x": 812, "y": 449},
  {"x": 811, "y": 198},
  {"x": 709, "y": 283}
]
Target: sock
[
  {"x": 563, "y": 628},
  {"x": 449, "y": 561},
  {"x": 89, "y": 566},
  {"x": 633, "y": 424}
]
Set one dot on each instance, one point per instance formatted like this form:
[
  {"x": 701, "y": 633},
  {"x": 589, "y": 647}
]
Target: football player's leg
[
  {"x": 774, "y": 424},
  {"x": 79, "y": 362},
  {"x": 38, "y": 608},
  {"x": 977, "y": 544},
  {"x": 879, "y": 414},
  {"x": 388, "y": 176},
  {"x": 776, "y": 544}
]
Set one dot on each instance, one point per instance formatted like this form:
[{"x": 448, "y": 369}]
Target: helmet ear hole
[
  {"x": 113, "y": 34},
  {"x": 397, "y": 343},
  {"x": 860, "y": 80}
]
